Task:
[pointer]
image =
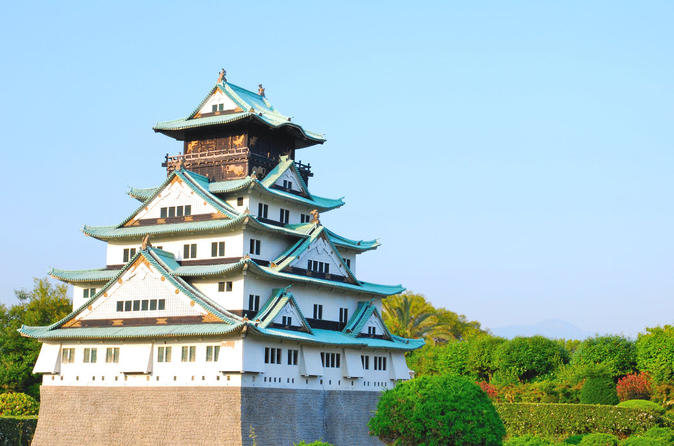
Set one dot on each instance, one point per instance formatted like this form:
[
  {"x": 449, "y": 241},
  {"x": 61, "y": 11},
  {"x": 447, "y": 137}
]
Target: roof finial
[
  {"x": 260, "y": 90},
  {"x": 222, "y": 76},
  {"x": 314, "y": 214},
  {"x": 146, "y": 242},
  {"x": 181, "y": 163}
]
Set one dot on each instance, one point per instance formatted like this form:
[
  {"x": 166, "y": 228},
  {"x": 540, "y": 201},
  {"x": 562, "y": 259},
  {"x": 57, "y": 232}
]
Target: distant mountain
[{"x": 551, "y": 328}]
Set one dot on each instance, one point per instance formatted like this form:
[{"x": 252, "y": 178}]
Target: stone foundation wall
[{"x": 188, "y": 416}]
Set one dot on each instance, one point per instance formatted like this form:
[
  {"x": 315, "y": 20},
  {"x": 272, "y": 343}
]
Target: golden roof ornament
[
  {"x": 314, "y": 215},
  {"x": 146, "y": 242},
  {"x": 222, "y": 76},
  {"x": 260, "y": 90}
]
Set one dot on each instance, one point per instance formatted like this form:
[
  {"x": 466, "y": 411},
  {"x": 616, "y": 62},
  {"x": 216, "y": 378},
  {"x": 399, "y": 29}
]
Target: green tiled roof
[
  {"x": 152, "y": 331},
  {"x": 254, "y": 107},
  {"x": 359, "y": 245},
  {"x": 363, "y": 313},
  {"x": 279, "y": 299},
  {"x": 83, "y": 275}
]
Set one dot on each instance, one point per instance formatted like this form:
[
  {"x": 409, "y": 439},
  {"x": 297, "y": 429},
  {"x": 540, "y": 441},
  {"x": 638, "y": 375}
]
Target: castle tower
[{"x": 225, "y": 309}]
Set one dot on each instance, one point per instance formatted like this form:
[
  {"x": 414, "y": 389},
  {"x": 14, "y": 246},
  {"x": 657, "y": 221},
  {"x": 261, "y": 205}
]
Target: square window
[
  {"x": 228, "y": 286},
  {"x": 85, "y": 293},
  {"x": 221, "y": 287},
  {"x": 239, "y": 201},
  {"x": 221, "y": 107}
]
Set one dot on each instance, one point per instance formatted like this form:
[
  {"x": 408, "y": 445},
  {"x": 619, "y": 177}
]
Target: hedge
[
  {"x": 557, "y": 421},
  {"x": 17, "y": 431}
]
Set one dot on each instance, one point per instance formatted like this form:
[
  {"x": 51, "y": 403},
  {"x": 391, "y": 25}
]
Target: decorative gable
[
  {"x": 374, "y": 326},
  {"x": 321, "y": 257},
  {"x": 282, "y": 311},
  {"x": 291, "y": 181},
  {"x": 217, "y": 103},
  {"x": 289, "y": 316},
  {"x": 141, "y": 295}
]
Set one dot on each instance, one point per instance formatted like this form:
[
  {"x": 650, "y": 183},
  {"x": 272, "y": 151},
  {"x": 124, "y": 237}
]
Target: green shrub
[
  {"x": 448, "y": 410},
  {"x": 655, "y": 353},
  {"x": 599, "y": 390},
  {"x": 17, "y": 431},
  {"x": 616, "y": 353},
  {"x": 527, "y": 440},
  {"x": 18, "y": 404},
  {"x": 481, "y": 358},
  {"x": 313, "y": 443},
  {"x": 599, "y": 439},
  {"x": 528, "y": 358},
  {"x": 664, "y": 434},
  {"x": 557, "y": 421},
  {"x": 450, "y": 358},
  {"x": 642, "y": 441},
  {"x": 643, "y": 405},
  {"x": 573, "y": 439}
]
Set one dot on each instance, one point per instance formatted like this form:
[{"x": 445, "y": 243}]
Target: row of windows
[
  {"x": 188, "y": 353},
  {"x": 225, "y": 286},
  {"x": 129, "y": 253},
  {"x": 217, "y": 107},
  {"x": 318, "y": 267},
  {"x": 273, "y": 355},
  {"x": 284, "y": 214},
  {"x": 287, "y": 184},
  {"x": 305, "y": 218},
  {"x": 90, "y": 355},
  {"x": 190, "y": 251},
  {"x": 175, "y": 211},
  {"x": 330, "y": 360},
  {"x": 141, "y": 305},
  {"x": 379, "y": 362}
]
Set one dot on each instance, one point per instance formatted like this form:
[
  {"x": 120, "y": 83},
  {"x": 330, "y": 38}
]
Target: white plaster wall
[
  {"x": 289, "y": 175},
  {"x": 275, "y": 205},
  {"x": 233, "y": 246},
  {"x": 229, "y": 300},
  {"x": 78, "y": 294},
  {"x": 218, "y": 98},
  {"x": 232, "y": 200},
  {"x": 141, "y": 282},
  {"x": 271, "y": 246},
  {"x": 175, "y": 194},
  {"x": 321, "y": 251}
]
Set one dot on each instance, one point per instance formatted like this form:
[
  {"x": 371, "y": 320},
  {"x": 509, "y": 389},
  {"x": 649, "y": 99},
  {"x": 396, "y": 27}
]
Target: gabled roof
[
  {"x": 290, "y": 255},
  {"x": 279, "y": 299},
  {"x": 284, "y": 164},
  {"x": 197, "y": 183},
  {"x": 83, "y": 275},
  {"x": 164, "y": 263},
  {"x": 253, "y": 107},
  {"x": 322, "y": 204},
  {"x": 363, "y": 313}
]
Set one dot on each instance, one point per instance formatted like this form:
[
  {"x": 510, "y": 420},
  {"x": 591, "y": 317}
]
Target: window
[
  {"x": 253, "y": 302},
  {"x": 348, "y": 263},
  {"x": 371, "y": 331},
  {"x": 221, "y": 107},
  {"x": 163, "y": 354},
  {"x": 214, "y": 108},
  {"x": 189, "y": 353},
  {"x": 272, "y": 355},
  {"x": 380, "y": 362},
  {"x": 343, "y": 315},
  {"x": 305, "y": 218},
  {"x": 292, "y": 356},
  {"x": 262, "y": 210},
  {"x": 188, "y": 210},
  {"x": 239, "y": 201},
  {"x": 255, "y": 246},
  {"x": 141, "y": 305},
  {"x": 330, "y": 360},
  {"x": 287, "y": 184},
  {"x": 318, "y": 311},
  {"x": 225, "y": 286},
  {"x": 68, "y": 355},
  {"x": 90, "y": 355},
  {"x": 89, "y": 292},
  {"x": 129, "y": 253},
  {"x": 286, "y": 321},
  {"x": 218, "y": 249},
  {"x": 112, "y": 354},
  {"x": 190, "y": 251},
  {"x": 212, "y": 353},
  {"x": 163, "y": 212},
  {"x": 284, "y": 216},
  {"x": 318, "y": 267},
  {"x": 175, "y": 211},
  {"x": 365, "y": 362},
  {"x": 172, "y": 211}
]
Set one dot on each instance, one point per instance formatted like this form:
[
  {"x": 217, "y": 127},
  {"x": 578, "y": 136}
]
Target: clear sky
[{"x": 515, "y": 158}]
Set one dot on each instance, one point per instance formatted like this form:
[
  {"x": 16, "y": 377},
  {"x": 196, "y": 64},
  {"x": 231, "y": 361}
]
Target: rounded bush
[
  {"x": 598, "y": 439},
  {"x": 529, "y": 357},
  {"x": 433, "y": 410},
  {"x": 642, "y": 441},
  {"x": 643, "y": 405},
  {"x": 616, "y": 353},
  {"x": 527, "y": 440},
  {"x": 598, "y": 390},
  {"x": 636, "y": 386},
  {"x": 573, "y": 439},
  {"x": 664, "y": 434},
  {"x": 18, "y": 404}
]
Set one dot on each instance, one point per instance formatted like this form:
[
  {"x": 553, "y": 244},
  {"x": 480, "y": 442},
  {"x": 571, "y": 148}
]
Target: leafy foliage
[
  {"x": 18, "y": 404},
  {"x": 599, "y": 390},
  {"x": 634, "y": 386},
  {"x": 313, "y": 443},
  {"x": 412, "y": 316},
  {"x": 17, "y": 431},
  {"x": 42, "y": 305},
  {"x": 643, "y": 405},
  {"x": 599, "y": 439},
  {"x": 642, "y": 441},
  {"x": 664, "y": 434},
  {"x": 481, "y": 360},
  {"x": 450, "y": 358},
  {"x": 655, "y": 353},
  {"x": 527, "y": 440},
  {"x": 528, "y": 358},
  {"x": 555, "y": 421},
  {"x": 437, "y": 410},
  {"x": 616, "y": 353}
]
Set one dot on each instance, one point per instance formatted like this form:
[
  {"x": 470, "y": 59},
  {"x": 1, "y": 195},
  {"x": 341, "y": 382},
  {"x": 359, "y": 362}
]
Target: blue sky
[{"x": 515, "y": 158}]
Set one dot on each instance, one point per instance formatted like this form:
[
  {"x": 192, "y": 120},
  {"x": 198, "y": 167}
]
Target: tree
[
  {"x": 412, "y": 316},
  {"x": 655, "y": 353},
  {"x": 527, "y": 358},
  {"x": 481, "y": 360},
  {"x": 617, "y": 353},
  {"x": 43, "y": 305},
  {"x": 437, "y": 410}
]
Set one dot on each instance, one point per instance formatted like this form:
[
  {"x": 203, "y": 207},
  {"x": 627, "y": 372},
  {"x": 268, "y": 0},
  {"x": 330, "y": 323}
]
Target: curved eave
[
  {"x": 177, "y": 128},
  {"x": 140, "y": 332},
  {"x": 75, "y": 277},
  {"x": 322, "y": 204}
]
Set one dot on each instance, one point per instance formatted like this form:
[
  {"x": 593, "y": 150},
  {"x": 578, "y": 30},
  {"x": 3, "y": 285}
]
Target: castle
[{"x": 226, "y": 312}]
